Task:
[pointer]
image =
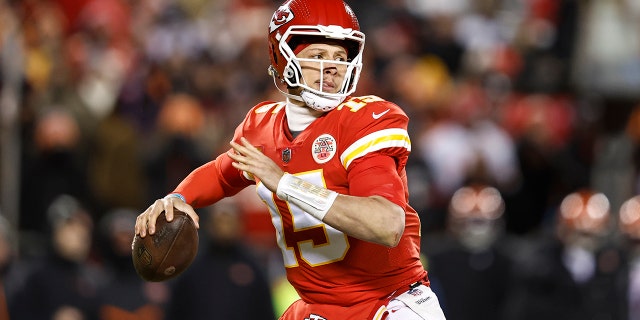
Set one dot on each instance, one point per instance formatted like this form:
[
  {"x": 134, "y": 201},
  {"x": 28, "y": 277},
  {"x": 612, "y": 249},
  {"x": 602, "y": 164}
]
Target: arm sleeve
[
  {"x": 377, "y": 175},
  {"x": 211, "y": 182}
]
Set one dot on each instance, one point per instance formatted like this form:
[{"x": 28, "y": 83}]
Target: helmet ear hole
[{"x": 289, "y": 74}]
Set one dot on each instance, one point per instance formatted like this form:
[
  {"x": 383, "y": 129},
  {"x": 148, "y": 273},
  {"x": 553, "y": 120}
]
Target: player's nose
[{"x": 330, "y": 69}]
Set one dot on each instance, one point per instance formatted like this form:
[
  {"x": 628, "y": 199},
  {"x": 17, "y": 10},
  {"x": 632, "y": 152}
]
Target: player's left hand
[{"x": 251, "y": 160}]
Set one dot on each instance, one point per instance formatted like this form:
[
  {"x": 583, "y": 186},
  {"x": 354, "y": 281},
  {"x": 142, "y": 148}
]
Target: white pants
[{"x": 419, "y": 303}]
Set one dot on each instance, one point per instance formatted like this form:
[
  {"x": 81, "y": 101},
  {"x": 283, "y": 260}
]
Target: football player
[{"x": 331, "y": 169}]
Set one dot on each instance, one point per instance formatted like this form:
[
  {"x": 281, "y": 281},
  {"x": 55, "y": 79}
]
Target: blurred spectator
[
  {"x": 8, "y": 255},
  {"x": 572, "y": 274},
  {"x": 472, "y": 268},
  {"x": 541, "y": 125},
  {"x": 53, "y": 166},
  {"x": 115, "y": 170},
  {"x": 126, "y": 295},
  {"x": 545, "y": 37},
  {"x": 629, "y": 274},
  {"x": 64, "y": 284},
  {"x": 177, "y": 148},
  {"x": 225, "y": 281},
  {"x": 633, "y": 131},
  {"x": 607, "y": 58},
  {"x": 482, "y": 32},
  {"x": 43, "y": 26},
  {"x": 100, "y": 53},
  {"x": 465, "y": 143},
  {"x": 613, "y": 167},
  {"x": 174, "y": 38},
  {"x": 143, "y": 92}
]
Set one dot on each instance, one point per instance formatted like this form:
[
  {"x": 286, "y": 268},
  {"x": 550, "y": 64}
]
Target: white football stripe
[{"x": 387, "y": 138}]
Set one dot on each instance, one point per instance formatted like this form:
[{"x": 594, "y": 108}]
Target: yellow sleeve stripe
[{"x": 387, "y": 138}]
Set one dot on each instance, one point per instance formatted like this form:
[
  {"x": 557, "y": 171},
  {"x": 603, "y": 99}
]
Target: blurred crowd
[{"x": 525, "y": 126}]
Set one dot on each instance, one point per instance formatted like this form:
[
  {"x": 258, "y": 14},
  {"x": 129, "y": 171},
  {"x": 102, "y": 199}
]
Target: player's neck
[{"x": 299, "y": 117}]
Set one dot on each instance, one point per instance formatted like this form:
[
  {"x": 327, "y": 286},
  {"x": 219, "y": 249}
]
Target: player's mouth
[{"x": 327, "y": 85}]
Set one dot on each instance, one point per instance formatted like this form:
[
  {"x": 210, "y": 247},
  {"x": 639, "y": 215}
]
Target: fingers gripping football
[
  {"x": 146, "y": 221},
  {"x": 251, "y": 160}
]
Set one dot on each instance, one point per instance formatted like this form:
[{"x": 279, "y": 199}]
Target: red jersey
[{"x": 325, "y": 265}]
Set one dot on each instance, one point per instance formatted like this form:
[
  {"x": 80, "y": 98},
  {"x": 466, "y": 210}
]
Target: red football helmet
[
  {"x": 585, "y": 211},
  {"x": 298, "y": 21},
  {"x": 481, "y": 202},
  {"x": 475, "y": 216}
]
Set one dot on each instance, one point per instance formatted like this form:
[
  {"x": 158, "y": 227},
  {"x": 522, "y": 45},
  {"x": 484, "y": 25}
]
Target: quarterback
[{"x": 330, "y": 166}]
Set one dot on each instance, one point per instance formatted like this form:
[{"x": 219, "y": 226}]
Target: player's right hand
[{"x": 146, "y": 221}]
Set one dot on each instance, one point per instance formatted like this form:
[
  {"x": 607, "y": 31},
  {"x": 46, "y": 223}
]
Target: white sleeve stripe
[{"x": 387, "y": 138}]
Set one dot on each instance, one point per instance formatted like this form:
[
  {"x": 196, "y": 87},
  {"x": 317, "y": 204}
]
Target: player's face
[{"x": 323, "y": 66}]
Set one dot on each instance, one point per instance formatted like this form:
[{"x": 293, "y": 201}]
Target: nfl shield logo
[
  {"x": 415, "y": 292},
  {"x": 286, "y": 155}
]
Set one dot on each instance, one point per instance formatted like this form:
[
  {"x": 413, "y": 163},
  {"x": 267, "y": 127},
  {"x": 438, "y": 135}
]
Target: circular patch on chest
[{"x": 323, "y": 148}]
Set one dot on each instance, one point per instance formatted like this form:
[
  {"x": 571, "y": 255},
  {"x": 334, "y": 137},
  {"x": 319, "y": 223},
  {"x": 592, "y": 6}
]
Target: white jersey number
[{"x": 333, "y": 249}]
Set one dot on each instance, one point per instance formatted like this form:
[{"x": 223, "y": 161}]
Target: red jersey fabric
[{"x": 360, "y": 148}]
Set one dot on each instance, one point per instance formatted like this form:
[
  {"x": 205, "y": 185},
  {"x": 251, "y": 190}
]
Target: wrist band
[
  {"x": 312, "y": 199},
  {"x": 175, "y": 195}
]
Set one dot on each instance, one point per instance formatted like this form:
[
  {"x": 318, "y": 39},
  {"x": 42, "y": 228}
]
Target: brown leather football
[{"x": 169, "y": 251}]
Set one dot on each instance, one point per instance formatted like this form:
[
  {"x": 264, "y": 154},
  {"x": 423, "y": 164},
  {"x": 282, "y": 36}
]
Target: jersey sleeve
[
  {"x": 211, "y": 182},
  {"x": 216, "y": 179},
  {"x": 376, "y": 175},
  {"x": 376, "y": 148},
  {"x": 377, "y": 127}
]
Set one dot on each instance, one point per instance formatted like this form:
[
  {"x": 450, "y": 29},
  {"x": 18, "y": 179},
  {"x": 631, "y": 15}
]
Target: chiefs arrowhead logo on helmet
[{"x": 280, "y": 17}]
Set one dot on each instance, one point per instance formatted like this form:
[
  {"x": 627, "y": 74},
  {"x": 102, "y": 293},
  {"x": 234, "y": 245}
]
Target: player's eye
[{"x": 320, "y": 56}]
